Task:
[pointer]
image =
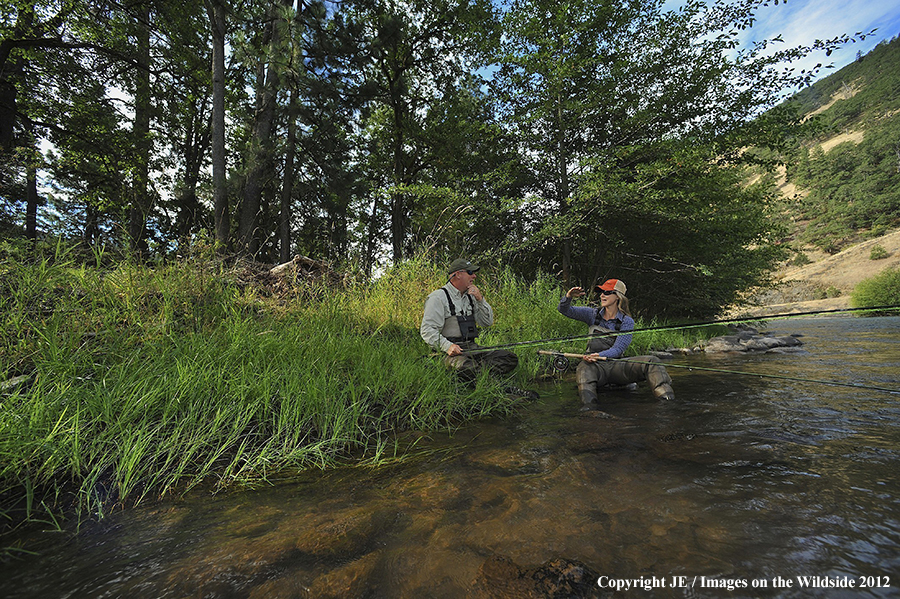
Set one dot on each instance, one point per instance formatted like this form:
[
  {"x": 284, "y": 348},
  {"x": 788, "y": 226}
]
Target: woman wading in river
[{"x": 600, "y": 365}]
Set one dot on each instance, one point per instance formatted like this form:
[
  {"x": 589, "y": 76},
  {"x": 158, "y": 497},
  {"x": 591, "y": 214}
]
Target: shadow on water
[{"x": 740, "y": 480}]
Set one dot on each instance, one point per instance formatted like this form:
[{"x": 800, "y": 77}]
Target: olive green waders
[
  {"x": 467, "y": 366},
  {"x": 590, "y": 376}
]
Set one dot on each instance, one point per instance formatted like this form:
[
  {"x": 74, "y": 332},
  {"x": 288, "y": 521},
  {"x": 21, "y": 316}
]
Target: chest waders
[
  {"x": 590, "y": 376},
  {"x": 467, "y": 366},
  {"x": 601, "y": 340},
  {"x": 468, "y": 328}
]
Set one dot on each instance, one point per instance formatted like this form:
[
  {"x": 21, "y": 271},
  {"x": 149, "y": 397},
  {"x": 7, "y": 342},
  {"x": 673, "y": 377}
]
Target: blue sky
[{"x": 801, "y": 22}]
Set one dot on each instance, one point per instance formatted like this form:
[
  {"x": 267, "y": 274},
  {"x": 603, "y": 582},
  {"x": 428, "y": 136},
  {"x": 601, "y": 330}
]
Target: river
[{"x": 742, "y": 486}]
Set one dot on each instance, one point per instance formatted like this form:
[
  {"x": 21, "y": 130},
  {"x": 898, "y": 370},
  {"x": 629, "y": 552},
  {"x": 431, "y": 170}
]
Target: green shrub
[
  {"x": 878, "y": 253},
  {"x": 881, "y": 290},
  {"x": 800, "y": 259}
]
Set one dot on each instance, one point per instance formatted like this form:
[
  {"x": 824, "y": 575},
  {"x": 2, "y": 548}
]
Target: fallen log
[{"x": 298, "y": 262}]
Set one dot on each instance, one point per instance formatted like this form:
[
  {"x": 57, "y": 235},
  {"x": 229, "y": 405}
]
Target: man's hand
[
  {"x": 475, "y": 292},
  {"x": 454, "y": 350}
]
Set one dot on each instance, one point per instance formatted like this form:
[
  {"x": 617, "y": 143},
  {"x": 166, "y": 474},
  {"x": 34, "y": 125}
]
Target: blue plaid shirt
[{"x": 594, "y": 316}]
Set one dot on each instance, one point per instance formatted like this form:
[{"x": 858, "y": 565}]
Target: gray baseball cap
[{"x": 461, "y": 264}]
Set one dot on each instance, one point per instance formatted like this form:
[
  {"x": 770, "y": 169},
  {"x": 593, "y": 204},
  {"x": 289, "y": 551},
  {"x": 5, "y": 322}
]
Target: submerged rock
[
  {"x": 350, "y": 580},
  {"x": 501, "y": 578}
]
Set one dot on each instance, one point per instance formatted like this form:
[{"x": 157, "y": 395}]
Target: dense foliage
[
  {"x": 583, "y": 139},
  {"x": 881, "y": 290}
]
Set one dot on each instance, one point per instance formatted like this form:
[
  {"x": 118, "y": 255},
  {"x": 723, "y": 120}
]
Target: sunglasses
[
  {"x": 470, "y": 272},
  {"x": 606, "y": 291}
]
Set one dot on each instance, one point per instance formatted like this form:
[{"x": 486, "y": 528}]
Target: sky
[{"x": 801, "y": 22}]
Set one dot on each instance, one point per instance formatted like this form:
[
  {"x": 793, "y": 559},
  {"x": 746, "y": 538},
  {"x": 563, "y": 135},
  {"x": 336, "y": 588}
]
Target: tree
[
  {"x": 644, "y": 115},
  {"x": 141, "y": 201},
  {"x": 319, "y": 67},
  {"x": 182, "y": 82},
  {"x": 476, "y": 173},
  {"x": 418, "y": 49},
  {"x": 22, "y": 33},
  {"x": 260, "y": 153},
  {"x": 111, "y": 61},
  {"x": 556, "y": 67}
]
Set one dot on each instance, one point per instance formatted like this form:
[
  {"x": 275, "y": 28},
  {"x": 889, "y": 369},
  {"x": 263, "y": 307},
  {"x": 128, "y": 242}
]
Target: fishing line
[
  {"x": 707, "y": 323},
  {"x": 558, "y": 365}
]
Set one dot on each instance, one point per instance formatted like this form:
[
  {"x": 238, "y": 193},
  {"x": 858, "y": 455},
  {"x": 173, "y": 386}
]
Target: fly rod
[
  {"x": 707, "y": 323},
  {"x": 561, "y": 366}
]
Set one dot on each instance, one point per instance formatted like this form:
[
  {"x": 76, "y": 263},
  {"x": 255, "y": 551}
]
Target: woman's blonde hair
[{"x": 623, "y": 304}]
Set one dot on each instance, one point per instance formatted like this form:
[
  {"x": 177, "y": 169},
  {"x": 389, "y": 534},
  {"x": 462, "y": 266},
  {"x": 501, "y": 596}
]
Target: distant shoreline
[{"x": 830, "y": 303}]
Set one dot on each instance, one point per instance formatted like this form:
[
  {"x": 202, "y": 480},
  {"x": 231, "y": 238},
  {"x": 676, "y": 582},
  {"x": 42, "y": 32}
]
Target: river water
[{"x": 772, "y": 487}]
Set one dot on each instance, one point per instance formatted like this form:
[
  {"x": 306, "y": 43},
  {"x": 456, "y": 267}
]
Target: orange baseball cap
[{"x": 613, "y": 285}]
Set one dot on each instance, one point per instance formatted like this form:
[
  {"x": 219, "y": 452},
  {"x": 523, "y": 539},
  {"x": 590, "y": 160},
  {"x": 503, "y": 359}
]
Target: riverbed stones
[
  {"x": 350, "y": 580},
  {"x": 745, "y": 339},
  {"x": 751, "y": 340},
  {"x": 349, "y": 533},
  {"x": 501, "y": 578}
]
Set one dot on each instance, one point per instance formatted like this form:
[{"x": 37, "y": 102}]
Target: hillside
[
  {"x": 841, "y": 184},
  {"x": 840, "y": 188},
  {"x": 800, "y": 289}
]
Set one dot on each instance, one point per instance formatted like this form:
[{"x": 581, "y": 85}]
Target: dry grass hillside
[{"x": 800, "y": 289}]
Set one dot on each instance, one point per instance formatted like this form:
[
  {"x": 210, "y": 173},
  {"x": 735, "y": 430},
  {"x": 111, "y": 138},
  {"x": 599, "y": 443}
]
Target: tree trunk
[
  {"x": 248, "y": 218},
  {"x": 216, "y": 11},
  {"x": 33, "y": 202},
  {"x": 398, "y": 229},
  {"x": 287, "y": 189},
  {"x": 261, "y": 158},
  {"x": 398, "y": 199},
  {"x": 91, "y": 226},
  {"x": 8, "y": 74},
  {"x": 196, "y": 142},
  {"x": 563, "y": 189},
  {"x": 372, "y": 238},
  {"x": 140, "y": 204},
  {"x": 7, "y": 114}
]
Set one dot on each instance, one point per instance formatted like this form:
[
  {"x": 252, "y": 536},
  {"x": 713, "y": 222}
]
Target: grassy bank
[{"x": 124, "y": 382}]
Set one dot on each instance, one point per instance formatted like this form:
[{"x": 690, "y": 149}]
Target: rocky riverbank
[{"x": 744, "y": 339}]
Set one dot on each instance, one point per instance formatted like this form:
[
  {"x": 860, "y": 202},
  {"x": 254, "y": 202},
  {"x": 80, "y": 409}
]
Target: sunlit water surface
[{"x": 740, "y": 478}]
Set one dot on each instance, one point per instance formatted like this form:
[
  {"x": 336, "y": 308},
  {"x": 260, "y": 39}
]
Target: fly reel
[{"x": 559, "y": 362}]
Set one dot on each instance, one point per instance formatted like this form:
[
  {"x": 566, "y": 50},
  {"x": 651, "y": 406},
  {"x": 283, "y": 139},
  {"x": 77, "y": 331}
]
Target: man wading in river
[
  {"x": 451, "y": 319},
  {"x": 597, "y": 367}
]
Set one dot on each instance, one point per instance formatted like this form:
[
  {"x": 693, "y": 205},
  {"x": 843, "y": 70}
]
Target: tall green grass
[{"x": 129, "y": 382}]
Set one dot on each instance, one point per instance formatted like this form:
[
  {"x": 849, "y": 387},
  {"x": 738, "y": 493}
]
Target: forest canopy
[{"x": 584, "y": 139}]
